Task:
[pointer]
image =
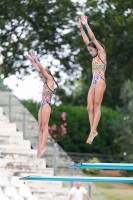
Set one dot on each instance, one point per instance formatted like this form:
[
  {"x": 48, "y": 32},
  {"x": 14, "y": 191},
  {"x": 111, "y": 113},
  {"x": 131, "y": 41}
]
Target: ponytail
[
  {"x": 49, "y": 72},
  {"x": 54, "y": 80}
]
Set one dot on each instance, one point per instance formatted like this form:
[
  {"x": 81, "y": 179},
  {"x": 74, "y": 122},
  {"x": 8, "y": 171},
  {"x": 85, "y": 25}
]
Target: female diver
[
  {"x": 98, "y": 85},
  {"x": 45, "y": 107}
]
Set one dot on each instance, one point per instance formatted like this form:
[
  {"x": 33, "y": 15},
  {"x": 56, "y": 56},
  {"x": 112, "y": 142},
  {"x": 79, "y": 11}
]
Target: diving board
[
  {"x": 116, "y": 166},
  {"x": 78, "y": 179}
]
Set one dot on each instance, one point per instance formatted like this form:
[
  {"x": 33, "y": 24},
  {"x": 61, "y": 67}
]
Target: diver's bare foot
[
  {"x": 91, "y": 137},
  {"x": 40, "y": 152}
]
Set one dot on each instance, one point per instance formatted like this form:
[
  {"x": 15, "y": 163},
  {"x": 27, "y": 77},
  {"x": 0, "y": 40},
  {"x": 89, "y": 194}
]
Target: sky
[{"x": 29, "y": 88}]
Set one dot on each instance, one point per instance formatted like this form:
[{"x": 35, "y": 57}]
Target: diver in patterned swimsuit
[
  {"x": 45, "y": 107},
  {"x": 46, "y": 95},
  {"x": 98, "y": 70},
  {"x": 98, "y": 86}
]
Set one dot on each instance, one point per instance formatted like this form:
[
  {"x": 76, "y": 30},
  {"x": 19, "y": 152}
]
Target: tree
[
  {"x": 123, "y": 126},
  {"x": 111, "y": 22},
  {"x": 45, "y": 26}
]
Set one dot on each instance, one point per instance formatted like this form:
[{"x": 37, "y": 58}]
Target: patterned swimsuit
[
  {"x": 46, "y": 95},
  {"x": 98, "y": 70}
]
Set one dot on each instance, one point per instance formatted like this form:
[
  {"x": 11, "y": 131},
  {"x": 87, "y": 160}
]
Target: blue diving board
[
  {"x": 116, "y": 166},
  {"x": 78, "y": 179}
]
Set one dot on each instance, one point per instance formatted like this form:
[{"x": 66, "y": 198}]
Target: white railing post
[
  {"x": 71, "y": 173},
  {"x": 89, "y": 189},
  {"x": 10, "y": 107},
  {"x": 54, "y": 160},
  {"x": 24, "y": 118}
]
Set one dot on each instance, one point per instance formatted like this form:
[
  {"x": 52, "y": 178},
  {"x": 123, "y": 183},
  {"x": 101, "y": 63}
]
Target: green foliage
[
  {"x": 111, "y": 23},
  {"x": 124, "y": 125},
  {"x": 93, "y": 171},
  {"x": 78, "y": 129},
  {"x": 38, "y": 25},
  {"x": 112, "y": 27}
]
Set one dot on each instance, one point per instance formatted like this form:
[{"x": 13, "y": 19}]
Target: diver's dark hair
[{"x": 49, "y": 72}]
